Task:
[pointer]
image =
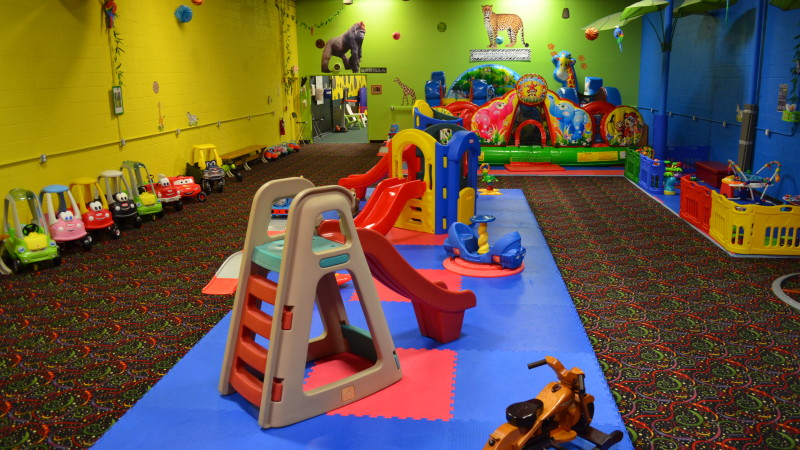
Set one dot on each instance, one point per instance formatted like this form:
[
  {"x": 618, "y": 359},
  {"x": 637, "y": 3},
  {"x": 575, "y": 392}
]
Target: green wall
[{"x": 423, "y": 49}]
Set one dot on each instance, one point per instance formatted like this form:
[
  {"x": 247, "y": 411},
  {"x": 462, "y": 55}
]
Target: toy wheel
[
  {"x": 137, "y": 222},
  {"x": 178, "y": 205},
  {"x": 61, "y": 246},
  {"x": 238, "y": 175},
  {"x": 86, "y": 243},
  {"x": 220, "y": 186},
  {"x": 160, "y": 214},
  {"x": 17, "y": 266},
  {"x": 201, "y": 197},
  {"x": 57, "y": 261},
  {"x": 206, "y": 186},
  {"x": 116, "y": 232}
]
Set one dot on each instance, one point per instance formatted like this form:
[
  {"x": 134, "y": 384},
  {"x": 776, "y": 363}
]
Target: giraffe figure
[
  {"x": 565, "y": 69},
  {"x": 407, "y": 93}
]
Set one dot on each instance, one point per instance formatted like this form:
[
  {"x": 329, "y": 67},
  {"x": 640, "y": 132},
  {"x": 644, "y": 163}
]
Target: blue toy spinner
[{"x": 462, "y": 242}]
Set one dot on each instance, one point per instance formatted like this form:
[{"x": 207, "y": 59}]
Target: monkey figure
[{"x": 351, "y": 41}]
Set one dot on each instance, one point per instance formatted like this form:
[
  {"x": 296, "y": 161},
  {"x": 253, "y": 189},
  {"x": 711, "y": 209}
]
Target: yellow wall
[{"x": 230, "y": 64}]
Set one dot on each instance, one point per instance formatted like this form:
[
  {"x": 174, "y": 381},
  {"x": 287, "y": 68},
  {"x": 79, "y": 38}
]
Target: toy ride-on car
[
  {"x": 64, "y": 219},
  {"x": 93, "y": 206},
  {"x": 27, "y": 243},
  {"x": 167, "y": 193},
  {"x": 143, "y": 190},
  {"x": 188, "y": 188},
  {"x": 206, "y": 168},
  {"x": 122, "y": 207},
  {"x": 463, "y": 242}
]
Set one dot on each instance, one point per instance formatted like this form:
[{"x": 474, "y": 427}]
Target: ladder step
[
  {"x": 257, "y": 321},
  {"x": 262, "y": 288},
  {"x": 248, "y": 386},
  {"x": 251, "y": 354}
]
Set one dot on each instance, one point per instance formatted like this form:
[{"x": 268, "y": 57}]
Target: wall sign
[
  {"x": 373, "y": 70},
  {"x": 116, "y": 98},
  {"x": 783, "y": 94},
  {"x": 500, "y": 54}
]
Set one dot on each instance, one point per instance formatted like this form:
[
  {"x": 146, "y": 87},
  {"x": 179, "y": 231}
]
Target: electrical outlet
[{"x": 42, "y": 159}]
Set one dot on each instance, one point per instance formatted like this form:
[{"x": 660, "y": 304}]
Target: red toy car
[
  {"x": 94, "y": 206},
  {"x": 187, "y": 187},
  {"x": 168, "y": 194}
]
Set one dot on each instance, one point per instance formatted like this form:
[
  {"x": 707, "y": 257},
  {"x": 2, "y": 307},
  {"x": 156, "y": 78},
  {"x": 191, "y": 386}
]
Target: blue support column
[{"x": 660, "y": 119}]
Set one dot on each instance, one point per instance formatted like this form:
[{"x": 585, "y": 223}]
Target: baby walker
[{"x": 751, "y": 181}]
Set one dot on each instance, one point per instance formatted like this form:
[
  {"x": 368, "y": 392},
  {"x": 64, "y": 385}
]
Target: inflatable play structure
[
  {"x": 563, "y": 127},
  {"x": 448, "y": 170},
  {"x": 302, "y": 316}
]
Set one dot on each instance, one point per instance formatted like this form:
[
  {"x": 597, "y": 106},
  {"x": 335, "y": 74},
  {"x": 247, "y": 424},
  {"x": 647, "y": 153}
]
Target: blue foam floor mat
[{"x": 517, "y": 320}]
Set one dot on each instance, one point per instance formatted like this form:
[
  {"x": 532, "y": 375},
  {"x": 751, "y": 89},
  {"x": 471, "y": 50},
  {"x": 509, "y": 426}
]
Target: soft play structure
[
  {"x": 271, "y": 376},
  {"x": 593, "y": 128},
  {"x": 449, "y": 171},
  {"x": 597, "y": 133}
]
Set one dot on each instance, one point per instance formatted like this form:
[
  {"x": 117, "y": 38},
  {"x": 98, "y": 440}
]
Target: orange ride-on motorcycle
[{"x": 561, "y": 412}]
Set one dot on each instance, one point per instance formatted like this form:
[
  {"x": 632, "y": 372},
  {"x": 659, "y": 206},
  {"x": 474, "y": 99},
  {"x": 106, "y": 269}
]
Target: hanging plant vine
[
  {"x": 116, "y": 62},
  {"x": 310, "y": 27}
]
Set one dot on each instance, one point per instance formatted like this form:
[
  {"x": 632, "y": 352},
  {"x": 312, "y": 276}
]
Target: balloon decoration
[
  {"x": 396, "y": 36},
  {"x": 499, "y": 40},
  {"x": 183, "y": 14},
  {"x": 592, "y": 33},
  {"x": 619, "y": 35},
  {"x": 197, "y": 2}
]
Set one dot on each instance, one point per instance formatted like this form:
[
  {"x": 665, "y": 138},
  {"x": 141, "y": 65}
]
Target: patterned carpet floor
[{"x": 696, "y": 349}]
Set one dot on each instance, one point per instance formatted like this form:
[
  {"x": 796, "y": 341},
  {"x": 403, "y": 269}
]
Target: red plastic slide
[
  {"x": 382, "y": 209},
  {"x": 387, "y": 202},
  {"x": 439, "y": 311},
  {"x": 361, "y": 181}
]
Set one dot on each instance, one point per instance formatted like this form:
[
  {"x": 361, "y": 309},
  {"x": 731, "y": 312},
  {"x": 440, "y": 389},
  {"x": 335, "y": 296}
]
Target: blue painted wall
[{"x": 711, "y": 72}]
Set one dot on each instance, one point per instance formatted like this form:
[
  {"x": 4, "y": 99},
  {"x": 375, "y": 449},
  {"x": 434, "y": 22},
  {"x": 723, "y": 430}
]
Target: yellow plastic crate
[{"x": 755, "y": 229}]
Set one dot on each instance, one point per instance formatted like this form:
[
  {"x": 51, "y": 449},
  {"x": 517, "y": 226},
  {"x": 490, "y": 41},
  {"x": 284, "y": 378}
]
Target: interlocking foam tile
[
  {"x": 424, "y": 392},
  {"x": 452, "y": 280},
  {"x": 399, "y": 236}
]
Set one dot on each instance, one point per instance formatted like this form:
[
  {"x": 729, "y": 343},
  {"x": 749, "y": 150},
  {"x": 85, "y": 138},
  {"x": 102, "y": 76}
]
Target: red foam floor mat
[
  {"x": 424, "y": 392},
  {"x": 399, "y": 236}
]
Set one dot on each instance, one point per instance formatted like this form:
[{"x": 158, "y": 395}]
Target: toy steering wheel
[{"x": 30, "y": 228}]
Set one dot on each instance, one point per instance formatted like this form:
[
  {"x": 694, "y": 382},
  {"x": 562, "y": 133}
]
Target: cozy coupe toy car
[{"x": 28, "y": 243}]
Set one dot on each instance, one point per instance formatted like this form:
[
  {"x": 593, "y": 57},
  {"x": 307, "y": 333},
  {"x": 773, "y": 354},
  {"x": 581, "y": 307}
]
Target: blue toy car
[{"x": 462, "y": 242}]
